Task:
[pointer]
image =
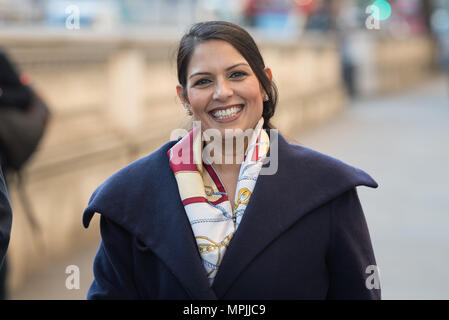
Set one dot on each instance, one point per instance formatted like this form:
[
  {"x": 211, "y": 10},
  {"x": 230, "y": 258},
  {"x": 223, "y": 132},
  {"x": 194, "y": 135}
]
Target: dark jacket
[
  {"x": 12, "y": 92},
  {"x": 303, "y": 235},
  {"x": 5, "y": 218}
]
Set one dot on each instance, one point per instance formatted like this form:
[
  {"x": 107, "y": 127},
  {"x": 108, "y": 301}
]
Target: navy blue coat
[
  {"x": 5, "y": 218},
  {"x": 303, "y": 235}
]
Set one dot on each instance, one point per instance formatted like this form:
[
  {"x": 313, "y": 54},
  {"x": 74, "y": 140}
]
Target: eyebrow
[{"x": 229, "y": 68}]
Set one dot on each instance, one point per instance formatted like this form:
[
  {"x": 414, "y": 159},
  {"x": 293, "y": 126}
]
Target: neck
[{"x": 230, "y": 157}]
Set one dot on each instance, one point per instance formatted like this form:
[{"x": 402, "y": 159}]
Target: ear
[
  {"x": 269, "y": 74},
  {"x": 180, "y": 93}
]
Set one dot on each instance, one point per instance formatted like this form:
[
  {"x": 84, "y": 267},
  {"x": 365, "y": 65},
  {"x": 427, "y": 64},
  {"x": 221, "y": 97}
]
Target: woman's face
[{"x": 223, "y": 91}]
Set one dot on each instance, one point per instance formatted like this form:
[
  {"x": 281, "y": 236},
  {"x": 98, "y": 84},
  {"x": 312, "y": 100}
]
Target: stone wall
[{"x": 388, "y": 64}]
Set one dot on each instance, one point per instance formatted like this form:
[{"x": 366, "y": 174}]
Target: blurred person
[
  {"x": 319, "y": 16},
  {"x": 249, "y": 12},
  {"x": 196, "y": 228},
  {"x": 12, "y": 93},
  {"x": 276, "y": 19},
  {"x": 23, "y": 118},
  {"x": 345, "y": 23},
  {"x": 409, "y": 17},
  {"x": 439, "y": 23},
  {"x": 5, "y": 221},
  {"x": 338, "y": 17}
]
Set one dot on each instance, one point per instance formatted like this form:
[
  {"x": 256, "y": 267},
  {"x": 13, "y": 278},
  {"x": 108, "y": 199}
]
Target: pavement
[
  {"x": 53, "y": 282},
  {"x": 402, "y": 141}
]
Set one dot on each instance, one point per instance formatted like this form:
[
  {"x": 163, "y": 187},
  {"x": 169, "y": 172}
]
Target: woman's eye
[
  {"x": 201, "y": 82},
  {"x": 238, "y": 74}
]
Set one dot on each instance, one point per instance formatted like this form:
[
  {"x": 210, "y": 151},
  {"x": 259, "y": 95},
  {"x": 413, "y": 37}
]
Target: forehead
[{"x": 213, "y": 55}]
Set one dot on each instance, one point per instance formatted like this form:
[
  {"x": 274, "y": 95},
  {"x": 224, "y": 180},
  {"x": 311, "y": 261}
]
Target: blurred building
[{"x": 273, "y": 17}]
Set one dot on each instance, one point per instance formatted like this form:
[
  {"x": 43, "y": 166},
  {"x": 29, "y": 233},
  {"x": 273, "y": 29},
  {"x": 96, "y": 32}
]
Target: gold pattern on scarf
[
  {"x": 212, "y": 246},
  {"x": 243, "y": 198},
  {"x": 209, "y": 190}
]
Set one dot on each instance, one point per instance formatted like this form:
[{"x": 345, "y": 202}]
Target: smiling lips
[{"x": 228, "y": 113}]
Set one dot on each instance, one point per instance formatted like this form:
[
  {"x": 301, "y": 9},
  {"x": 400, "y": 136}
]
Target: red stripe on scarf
[
  {"x": 217, "y": 182},
  {"x": 194, "y": 200},
  {"x": 185, "y": 145}
]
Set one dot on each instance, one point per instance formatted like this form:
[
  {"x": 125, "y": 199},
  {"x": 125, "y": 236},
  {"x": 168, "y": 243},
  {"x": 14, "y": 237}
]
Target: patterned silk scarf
[{"x": 204, "y": 197}]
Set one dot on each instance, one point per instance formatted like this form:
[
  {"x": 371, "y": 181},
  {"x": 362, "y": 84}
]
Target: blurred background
[{"x": 363, "y": 81}]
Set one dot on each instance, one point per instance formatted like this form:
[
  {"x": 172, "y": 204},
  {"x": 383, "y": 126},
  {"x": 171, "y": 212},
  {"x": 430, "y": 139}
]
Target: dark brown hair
[{"x": 242, "y": 41}]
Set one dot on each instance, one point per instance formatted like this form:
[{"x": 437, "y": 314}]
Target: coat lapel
[
  {"x": 172, "y": 239},
  {"x": 149, "y": 186},
  {"x": 272, "y": 209}
]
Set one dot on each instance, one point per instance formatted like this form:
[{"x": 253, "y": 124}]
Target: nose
[{"x": 223, "y": 90}]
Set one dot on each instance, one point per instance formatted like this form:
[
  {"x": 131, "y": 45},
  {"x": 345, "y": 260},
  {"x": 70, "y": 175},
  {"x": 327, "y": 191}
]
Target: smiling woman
[
  {"x": 228, "y": 95},
  {"x": 178, "y": 225},
  {"x": 219, "y": 61}
]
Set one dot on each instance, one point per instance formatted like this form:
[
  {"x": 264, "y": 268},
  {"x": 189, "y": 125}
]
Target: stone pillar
[{"x": 126, "y": 69}]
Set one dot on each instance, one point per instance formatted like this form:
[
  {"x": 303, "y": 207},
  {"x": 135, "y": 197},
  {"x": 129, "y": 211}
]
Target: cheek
[
  {"x": 198, "y": 99},
  {"x": 253, "y": 96},
  {"x": 251, "y": 91}
]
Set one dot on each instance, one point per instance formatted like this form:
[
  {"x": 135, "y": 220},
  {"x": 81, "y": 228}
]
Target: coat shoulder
[
  {"x": 318, "y": 179},
  {"x": 326, "y": 171}
]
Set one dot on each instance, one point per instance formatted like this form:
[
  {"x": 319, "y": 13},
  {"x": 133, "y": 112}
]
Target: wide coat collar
[{"x": 144, "y": 199}]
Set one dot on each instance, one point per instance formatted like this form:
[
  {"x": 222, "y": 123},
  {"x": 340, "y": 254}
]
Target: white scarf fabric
[{"x": 204, "y": 197}]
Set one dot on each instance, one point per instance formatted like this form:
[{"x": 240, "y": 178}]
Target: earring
[
  {"x": 188, "y": 111},
  {"x": 265, "y": 97}
]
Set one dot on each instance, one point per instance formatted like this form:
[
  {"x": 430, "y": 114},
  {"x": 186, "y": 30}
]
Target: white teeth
[{"x": 228, "y": 113}]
